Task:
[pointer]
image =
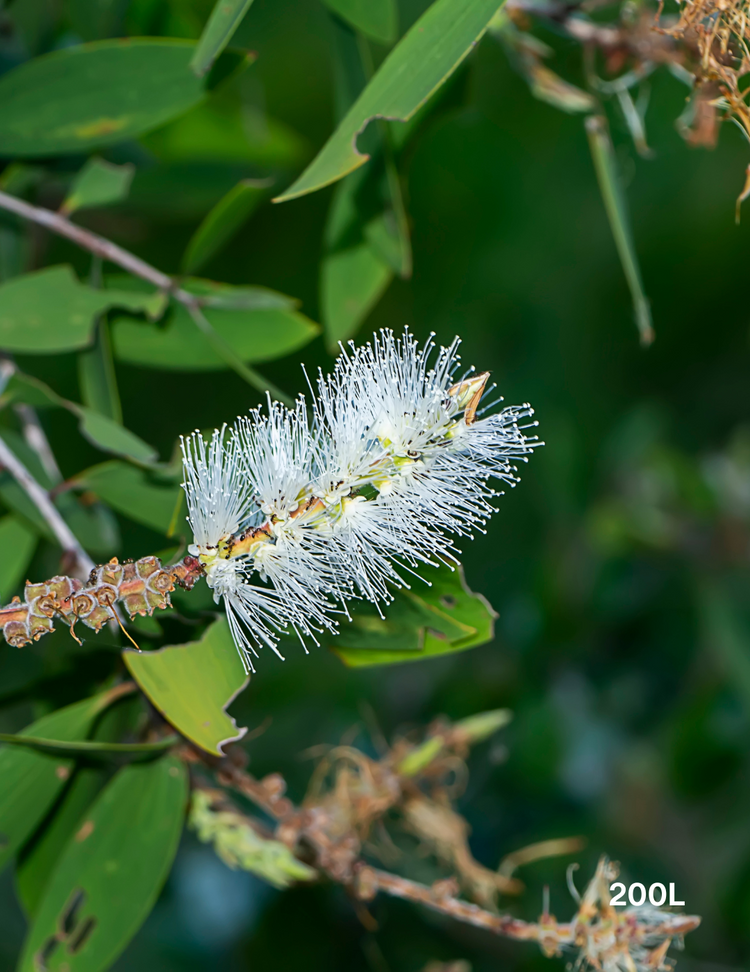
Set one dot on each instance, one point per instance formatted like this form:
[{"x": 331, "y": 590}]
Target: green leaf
[
  {"x": 89, "y": 749},
  {"x": 32, "y": 780},
  {"x": 110, "y": 873},
  {"x": 50, "y": 310},
  {"x": 419, "y": 64},
  {"x": 224, "y": 130},
  {"x": 615, "y": 204},
  {"x": 352, "y": 281},
  {"x": 109, "y": 436},
  {"x": 34, "y": 868},
  {"x": 224, "y": 20},
  {"x": 96, "y": 375},
  {"x": 99, "y": 183},
  {"x": 254, "y": 335},
  {"x": 17, "y": 536},
  {"x": 420, "y": 623},
  {"x": 101, "y": 431},
  {"x": 376, "y": 19},
  {"x": 192, "y": 685},
  {"x": 135, "y": 494},
  {"x": 38, "y": 858},
  {"x": 95, "y": 94},
  {"x": 224, "y": 220}
]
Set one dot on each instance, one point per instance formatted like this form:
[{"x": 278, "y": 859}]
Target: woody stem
[{"x": 82, "y": 563}]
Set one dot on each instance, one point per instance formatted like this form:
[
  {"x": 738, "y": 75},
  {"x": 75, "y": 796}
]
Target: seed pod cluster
[{"x": 139, "y": 586}]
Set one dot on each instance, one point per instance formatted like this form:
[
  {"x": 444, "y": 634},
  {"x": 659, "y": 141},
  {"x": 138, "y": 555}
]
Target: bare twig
[
  {"x": 107, "y": 250},
  {"x": 36, "y": 439},
  {"x": 371, "y": 880},
  {"x": 82, "y": 564}
]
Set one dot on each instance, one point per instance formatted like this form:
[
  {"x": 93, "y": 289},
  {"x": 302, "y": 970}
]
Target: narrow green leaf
[
  {"x": 99, "y": 183},
  {"x": 16, "y": 536},
  {"x": 89, "y": 749},
  {"x": 50, "y": 310},
  {"x": 254, "y": 334},
  {"x": 108, "y": 435},
  {"x": 224, "y": 20},
  {"x": 615, "y": 204},
  {"x": 95, "y": 94},
  {"x": 96, "y": 375},
  {"x": 111, "y": 871},
  {"x": 224, "y": 220},
  {"x": 376, "y": 19},
  {"x": 420, "y": 623},
  {"x": 135, "y": 494},
  {"x": 419, "y": 64},
  {"x": 192, "y": 685},
  {"x": 32, "y": 780},
  {"x": 101, "y": 431},
  {"x": 352, "y": 281}
]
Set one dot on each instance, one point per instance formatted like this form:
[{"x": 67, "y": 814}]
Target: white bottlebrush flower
[
  {"x": 393, "y": 466},
  {"x": 393, "y": 423},
  {"x": 221, "y": 505}
]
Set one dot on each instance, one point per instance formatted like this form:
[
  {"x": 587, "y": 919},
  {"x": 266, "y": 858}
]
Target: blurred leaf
[
  {"x": 223, "y": 222},
  {"x": 95, "y": 94},
  {"x": 224, "y": 20},
  {"x": 228, "y": 131},
  {"x": 727, "y": 637},
  {"x": 240, "y": 846},
  {"x": 419, "y": 64},
  {"x": 352, "y": 281},
  {"x": 615, "y": 204},
  {"x": 89, "y": 749},
  {"x": 101, "y": 431},
  {"x": 49, "y": 310},
  {"x": 135, "y": 494},
  {"x": 99, "y": 183},
  {"x": 39, "y": 857},
  {"x": 93, "y": 523},
  {"x": 254, "y": 335},
  {"x": 192, "y": 685},
  {"x": 376, "y": 19},
  {"x": 31, "y": 780},
  {"x": 111, "y": 871},
  {"x": 96, "y": 375},
  {"x": 107, "y": 435},
  {"x": 420, "y": 623},
  {"x": 15, "y": 536}
]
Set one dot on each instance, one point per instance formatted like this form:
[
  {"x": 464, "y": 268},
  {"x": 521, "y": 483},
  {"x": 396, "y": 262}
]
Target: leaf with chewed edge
[
  {"x": 416, "y": 67},
  {"x": 111, "y": 871},
  {"x": 422, "y": 622},
  {"x": 192, "y": 685}
]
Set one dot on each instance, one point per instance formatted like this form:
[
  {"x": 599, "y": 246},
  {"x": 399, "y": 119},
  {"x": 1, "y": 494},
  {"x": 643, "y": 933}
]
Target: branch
[
  {"x": 107, "y": 250},
  {"x": 139, "y": 586},
  {"x": 82, "y": 563}
]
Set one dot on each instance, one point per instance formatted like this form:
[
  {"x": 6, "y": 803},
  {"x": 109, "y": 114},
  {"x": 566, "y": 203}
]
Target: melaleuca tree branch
[
  {"x": 105, "y": 249},
  {"x": 139, "y": 587},
  {"x": 325, "y": 834},
  {"x": 82, "y": 564}
]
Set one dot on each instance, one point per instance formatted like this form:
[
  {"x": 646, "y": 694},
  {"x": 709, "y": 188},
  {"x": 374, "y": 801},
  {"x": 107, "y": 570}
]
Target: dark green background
[{"x": 631, "y": 725}]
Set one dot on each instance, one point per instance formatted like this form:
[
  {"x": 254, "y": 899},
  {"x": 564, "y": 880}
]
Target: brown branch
[
  {"x": 107, "y": 250},
  {"x": 82, "y": 563},
  {"x": 371, "y": 880}
]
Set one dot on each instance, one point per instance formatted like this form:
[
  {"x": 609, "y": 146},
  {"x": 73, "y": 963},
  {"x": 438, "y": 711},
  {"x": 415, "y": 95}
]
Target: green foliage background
[{"x": 618, "y": 567}]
